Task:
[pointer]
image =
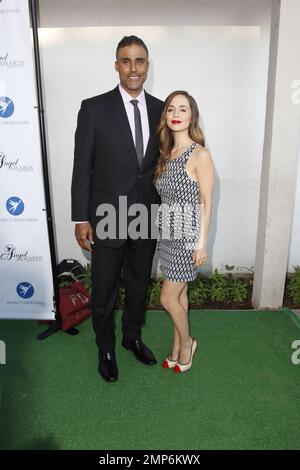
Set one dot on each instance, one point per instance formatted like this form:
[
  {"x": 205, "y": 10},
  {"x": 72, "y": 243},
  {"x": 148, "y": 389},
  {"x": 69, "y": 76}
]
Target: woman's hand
[{"x": 199, "y": 256}]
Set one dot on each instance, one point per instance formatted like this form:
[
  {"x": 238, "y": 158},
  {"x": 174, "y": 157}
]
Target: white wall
[
  {"x": 217, "y": 50},
  {"x": 294, "y": 258}
]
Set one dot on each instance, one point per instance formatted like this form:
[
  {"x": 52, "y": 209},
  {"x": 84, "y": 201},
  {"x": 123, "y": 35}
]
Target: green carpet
[{"x": 243, "y": 391}]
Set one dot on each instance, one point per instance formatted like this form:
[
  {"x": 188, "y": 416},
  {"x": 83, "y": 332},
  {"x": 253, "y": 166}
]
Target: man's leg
[
  {"x": 106, "y": 270},
  {"x": 137, "y": 273}
]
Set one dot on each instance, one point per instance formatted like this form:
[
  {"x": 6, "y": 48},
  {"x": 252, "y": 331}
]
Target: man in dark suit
[{"x": 116, "y": 149}]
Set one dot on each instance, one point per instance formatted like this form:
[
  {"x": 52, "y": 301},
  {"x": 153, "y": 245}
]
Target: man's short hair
[{"x": 128, "y": 41}]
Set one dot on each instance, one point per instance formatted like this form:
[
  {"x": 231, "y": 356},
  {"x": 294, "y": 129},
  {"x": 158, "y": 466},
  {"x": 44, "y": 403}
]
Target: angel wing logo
[
  {"x": 7, "y": 107},
  {"x": 14, "y": 205},
  {"x": 25, "y": 290}
]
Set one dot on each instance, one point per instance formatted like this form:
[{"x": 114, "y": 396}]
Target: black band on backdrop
[{"x": 56, "y": 324}]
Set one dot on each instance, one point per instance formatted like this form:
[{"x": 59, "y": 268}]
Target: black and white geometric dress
[{"x": 178, "y": 219}]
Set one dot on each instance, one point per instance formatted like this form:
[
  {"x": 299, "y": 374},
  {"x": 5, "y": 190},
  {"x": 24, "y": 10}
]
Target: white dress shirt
[{"x": 130, "y": 114}]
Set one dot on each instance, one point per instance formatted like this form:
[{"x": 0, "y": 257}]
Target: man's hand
[{"x": 84, "y": 235}]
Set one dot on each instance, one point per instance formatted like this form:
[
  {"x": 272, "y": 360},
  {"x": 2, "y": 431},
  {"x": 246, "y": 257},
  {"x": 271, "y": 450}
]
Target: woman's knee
[
  {"x": 164, "y": 299},
  {"x": 169, "y": 299},
  {"x": 183, "y": 293}
]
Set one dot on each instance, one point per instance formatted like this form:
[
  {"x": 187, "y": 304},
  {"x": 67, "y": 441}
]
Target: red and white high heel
[
  {"x": 169, "y": 363},
  {"x": 179, "y": 367}
]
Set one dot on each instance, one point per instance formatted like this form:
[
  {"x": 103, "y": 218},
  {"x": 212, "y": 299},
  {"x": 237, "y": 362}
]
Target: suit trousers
[{"x": 135, "y": 257}]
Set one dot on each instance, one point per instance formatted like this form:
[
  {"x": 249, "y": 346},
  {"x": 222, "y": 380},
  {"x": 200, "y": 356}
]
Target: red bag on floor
[{"x": 74, "y": 304}]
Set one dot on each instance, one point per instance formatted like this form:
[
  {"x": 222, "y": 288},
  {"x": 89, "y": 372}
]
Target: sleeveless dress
[{"x": 178, "y": 219}]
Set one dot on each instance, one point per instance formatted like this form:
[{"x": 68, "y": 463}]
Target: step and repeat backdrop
[{"x": 26, "y": 287}]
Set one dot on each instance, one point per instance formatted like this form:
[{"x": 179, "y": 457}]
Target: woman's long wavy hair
[{"x": 166, "y": 141}]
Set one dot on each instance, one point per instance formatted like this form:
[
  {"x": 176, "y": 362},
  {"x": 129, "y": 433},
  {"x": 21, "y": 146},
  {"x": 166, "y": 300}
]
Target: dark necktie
[{"x": 139, "y": 145}]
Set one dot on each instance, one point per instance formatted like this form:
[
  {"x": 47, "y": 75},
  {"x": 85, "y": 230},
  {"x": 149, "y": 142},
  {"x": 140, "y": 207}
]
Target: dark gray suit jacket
[{"x": 105, "y": 160}]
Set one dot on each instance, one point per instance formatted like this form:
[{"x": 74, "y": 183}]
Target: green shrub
[
  {"x": 215, "y": 287},
  {"x": 293, "y": 286},
  {"x": 85, "y": 278},
  {"x": 154, "y": 293},
  {"x": 198, "y": 292},
  {"x": 121, "y": 299},
  {"x": 220, "y": 287},
  {"x": 239, "y": 291}
]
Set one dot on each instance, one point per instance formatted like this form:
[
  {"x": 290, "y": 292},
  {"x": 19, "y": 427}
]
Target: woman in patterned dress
[{"x": 184, "y": 179}]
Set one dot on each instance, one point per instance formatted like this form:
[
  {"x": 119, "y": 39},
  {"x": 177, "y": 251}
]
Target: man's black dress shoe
[
  {"x": 107, "y": 367},
  {"x": 140, "y": 350}
]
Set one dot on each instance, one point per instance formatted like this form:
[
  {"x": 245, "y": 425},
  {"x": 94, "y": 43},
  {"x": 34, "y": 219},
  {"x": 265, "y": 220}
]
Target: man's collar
[{"x": 127, "y": 98}]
